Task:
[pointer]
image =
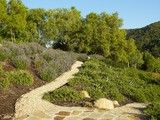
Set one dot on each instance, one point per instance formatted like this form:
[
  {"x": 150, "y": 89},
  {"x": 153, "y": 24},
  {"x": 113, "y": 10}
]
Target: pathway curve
[{"x": 31, "y": 106}]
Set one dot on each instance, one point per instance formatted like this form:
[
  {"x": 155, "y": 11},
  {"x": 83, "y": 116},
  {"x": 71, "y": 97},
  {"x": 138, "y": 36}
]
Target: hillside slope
[{"x": 147, "y": 38}]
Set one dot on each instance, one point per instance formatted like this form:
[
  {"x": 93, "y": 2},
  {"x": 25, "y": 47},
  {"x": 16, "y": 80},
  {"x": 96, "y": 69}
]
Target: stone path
[{"x": 31, "y": 106}]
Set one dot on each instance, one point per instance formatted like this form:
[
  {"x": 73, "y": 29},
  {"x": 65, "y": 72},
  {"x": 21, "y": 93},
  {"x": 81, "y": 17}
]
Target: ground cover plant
[
  {"x": 153, "y": 111},
  {"x": 101, "y": 79}
]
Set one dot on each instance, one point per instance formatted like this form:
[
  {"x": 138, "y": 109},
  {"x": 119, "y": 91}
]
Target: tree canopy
[
  {"x": 147, "y": 38},
  {"x": 68, "y": 30}
]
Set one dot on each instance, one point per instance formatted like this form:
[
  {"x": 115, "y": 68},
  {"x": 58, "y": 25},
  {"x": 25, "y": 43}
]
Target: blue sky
[{"x": 135, "y": 13}]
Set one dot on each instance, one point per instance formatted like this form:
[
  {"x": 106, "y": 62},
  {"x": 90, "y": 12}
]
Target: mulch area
[{"x": 8, "y": 97}]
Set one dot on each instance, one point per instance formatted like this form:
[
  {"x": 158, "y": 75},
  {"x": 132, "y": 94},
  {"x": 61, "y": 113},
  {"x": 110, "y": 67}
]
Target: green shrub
[
  {"x": 153, "y": 111},
  {"x": 63, "y": 94},
  {"x": 20, "y": 77},
  {"x": 21, "y": 62},
  {"x": 4, "y": 53}
]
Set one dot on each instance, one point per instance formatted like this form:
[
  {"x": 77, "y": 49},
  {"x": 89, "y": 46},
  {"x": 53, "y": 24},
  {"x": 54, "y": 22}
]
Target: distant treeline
[{"x": 147, "y": 38}]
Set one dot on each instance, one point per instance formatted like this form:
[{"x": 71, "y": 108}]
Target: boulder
[
  {"x": 104, "y": 103},
  {"x": 116, "y": 104},
  {"x": 85, "y": 94}
]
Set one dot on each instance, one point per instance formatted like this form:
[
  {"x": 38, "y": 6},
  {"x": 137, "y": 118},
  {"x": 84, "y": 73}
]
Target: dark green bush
[
  {"x": 5, "y": 53},
  {"x": 21, "y": 62},
  {"x": 20, "y": 77},
  {"x": 153, "y": 111}
]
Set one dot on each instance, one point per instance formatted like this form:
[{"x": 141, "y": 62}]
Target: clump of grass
[
  {"x": 21, "y": 62},
  {"x": 20, "y": 77},
  {"x": 4, "y": 82}
]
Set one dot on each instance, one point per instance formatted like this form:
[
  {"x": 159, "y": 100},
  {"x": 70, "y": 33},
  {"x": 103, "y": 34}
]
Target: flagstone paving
[{"x": 31, "y": 106}]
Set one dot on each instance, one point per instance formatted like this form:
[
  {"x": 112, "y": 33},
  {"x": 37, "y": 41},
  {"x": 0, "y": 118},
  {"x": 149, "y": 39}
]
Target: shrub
[
  {"x": 39, "y": 62},
  {"x": 64, "y": 94},
  {"x": 35, "y": 48},
  {"x": 26, "y": 49},
  {"x": 51, "y": 54},
  {"x": 153, "y": 111},
  {"x": 4, "y": 53},
  {"x": 14, "y": 48},
  {"x": 47, "y": 73},
  {"x": 21, "y": 62},
  {"x": 20, "y": 77}
]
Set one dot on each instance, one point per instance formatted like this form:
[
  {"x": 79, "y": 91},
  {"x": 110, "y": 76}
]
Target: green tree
[
  {"x": 151, "y": 63},
  {"x": 135, "y": 58},
  {"x": 62, "y": 27},
  {"x": 16, "y": 20},
  {"x": 3, "y": 16},
  {"x": 36, "y": 20}
]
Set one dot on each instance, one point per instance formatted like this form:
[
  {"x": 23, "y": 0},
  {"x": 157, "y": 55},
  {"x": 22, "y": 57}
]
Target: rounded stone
[{"x": 104, "y": 103}]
